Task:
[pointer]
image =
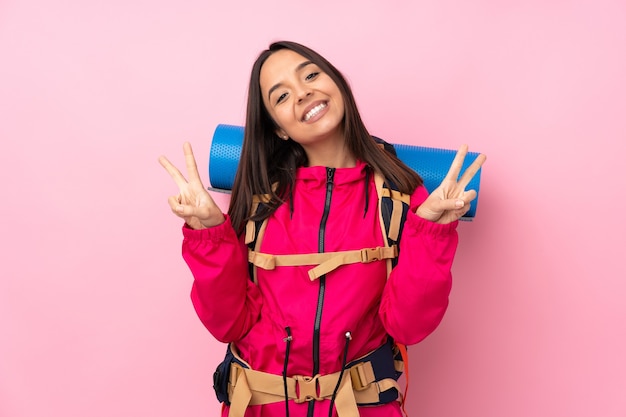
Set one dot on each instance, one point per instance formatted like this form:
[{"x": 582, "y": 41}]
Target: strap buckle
[
  {"x": 307, "y": 388},
  {"x": 362, "y": 375},
  {"x": 370, "y": 255}
]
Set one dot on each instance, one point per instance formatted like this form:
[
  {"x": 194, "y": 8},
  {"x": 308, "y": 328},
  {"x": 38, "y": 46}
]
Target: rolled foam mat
[{"x": 432, "y": 164}]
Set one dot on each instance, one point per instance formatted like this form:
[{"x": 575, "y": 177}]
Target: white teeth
[{"x": 314, "y": 111}]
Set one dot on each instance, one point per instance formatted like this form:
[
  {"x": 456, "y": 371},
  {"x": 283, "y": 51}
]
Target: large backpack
[{"x": 393, "y": 208}]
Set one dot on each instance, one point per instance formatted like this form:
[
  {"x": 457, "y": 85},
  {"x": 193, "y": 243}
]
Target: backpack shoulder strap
[
  {"x": 393, "y": 208},
  {"x": 385, "y": 145},
  {"x": 255, "y": 229}
]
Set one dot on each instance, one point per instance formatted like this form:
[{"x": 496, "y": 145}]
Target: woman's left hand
[{"x": 450, "y": 201}]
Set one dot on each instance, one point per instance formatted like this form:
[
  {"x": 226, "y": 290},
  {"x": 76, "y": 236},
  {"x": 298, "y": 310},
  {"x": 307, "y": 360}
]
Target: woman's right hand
[{"x": 193, "y": 203}]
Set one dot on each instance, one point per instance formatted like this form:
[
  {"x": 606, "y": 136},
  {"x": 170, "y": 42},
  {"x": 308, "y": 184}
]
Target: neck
[{"x": 330, "y": 156}]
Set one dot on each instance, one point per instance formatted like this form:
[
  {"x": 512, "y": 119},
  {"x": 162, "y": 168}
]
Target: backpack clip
[{"x": 376, "y": 254}]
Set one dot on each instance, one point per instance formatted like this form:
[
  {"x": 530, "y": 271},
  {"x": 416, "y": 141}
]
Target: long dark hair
[{"x": 268, "y": 163}]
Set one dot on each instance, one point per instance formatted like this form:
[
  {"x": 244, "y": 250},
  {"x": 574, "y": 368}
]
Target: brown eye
[
  {"x": 281, "y": 98},
  {"x": 311, "y": 76}
]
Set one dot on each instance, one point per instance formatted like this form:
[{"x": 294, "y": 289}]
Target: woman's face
[{"x": 305, "y": 102}]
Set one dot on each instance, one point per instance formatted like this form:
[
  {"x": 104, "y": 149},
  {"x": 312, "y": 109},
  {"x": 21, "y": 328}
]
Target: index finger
[
  {"x": 457, "y": 164},
  {"x": 179, "y": 179}
]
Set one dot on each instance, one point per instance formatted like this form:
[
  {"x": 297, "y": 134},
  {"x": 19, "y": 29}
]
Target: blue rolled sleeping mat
[{"x": 432, "y": 164}]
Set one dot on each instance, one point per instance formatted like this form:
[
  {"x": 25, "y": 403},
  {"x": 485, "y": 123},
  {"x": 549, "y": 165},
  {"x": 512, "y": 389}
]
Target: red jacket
[{"x": 357, "y": 297}]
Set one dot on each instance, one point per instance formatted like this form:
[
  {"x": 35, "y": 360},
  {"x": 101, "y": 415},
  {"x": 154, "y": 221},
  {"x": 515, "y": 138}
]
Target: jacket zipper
[{"x": 330, "y": 174}]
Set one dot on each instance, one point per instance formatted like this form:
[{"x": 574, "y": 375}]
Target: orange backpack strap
[{"x": 402, "y": 365}]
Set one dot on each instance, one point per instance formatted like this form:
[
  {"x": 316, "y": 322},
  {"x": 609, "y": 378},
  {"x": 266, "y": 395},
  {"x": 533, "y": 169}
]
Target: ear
[{"x": 282, "y": 134}]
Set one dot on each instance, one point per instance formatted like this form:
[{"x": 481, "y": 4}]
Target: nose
[{"x": 303, "y": 92}]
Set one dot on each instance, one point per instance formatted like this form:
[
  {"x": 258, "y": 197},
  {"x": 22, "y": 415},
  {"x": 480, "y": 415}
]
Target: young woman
[{"x": 306, "y": 343}]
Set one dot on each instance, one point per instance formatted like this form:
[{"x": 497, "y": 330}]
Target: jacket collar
[{"x": 317, "y": 174}]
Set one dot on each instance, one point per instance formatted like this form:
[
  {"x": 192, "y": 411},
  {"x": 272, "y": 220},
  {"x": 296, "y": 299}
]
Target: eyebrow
[{"x": 277, "y": 86}]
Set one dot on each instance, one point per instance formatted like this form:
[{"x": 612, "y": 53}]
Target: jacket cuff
[
  {"x": 215, "y": 233},
  {"x": 420, "y": 225}
]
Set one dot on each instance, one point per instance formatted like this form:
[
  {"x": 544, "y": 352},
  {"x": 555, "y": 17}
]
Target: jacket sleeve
[
  {"x": 415, "y": 297},
  {"x": 227, "y": 302}
]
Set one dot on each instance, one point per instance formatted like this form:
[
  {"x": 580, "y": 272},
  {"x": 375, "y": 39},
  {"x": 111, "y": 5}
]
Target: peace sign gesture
[
  {"x": 450, "y": 201},
  {"x": 193, "y": 203}
]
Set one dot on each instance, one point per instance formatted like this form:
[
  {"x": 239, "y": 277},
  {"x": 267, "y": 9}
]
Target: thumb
[
  {"x": 181, "y": 209},
  {"x": 445, "y": 205},
  {"x": 187, "y": 210},
  {"x": 432, "y": 209}
]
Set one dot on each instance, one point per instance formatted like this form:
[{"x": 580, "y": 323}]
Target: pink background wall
[{"x": 95, "y": 317}]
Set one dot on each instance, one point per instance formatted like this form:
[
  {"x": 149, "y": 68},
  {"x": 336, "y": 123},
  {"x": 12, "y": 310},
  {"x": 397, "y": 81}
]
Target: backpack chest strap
[{"x": 326, "y": 262}]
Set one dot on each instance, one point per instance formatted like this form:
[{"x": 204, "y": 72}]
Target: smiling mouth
[{"x": 314, "y": 111}]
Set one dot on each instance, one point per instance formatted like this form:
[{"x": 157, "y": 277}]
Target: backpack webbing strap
[
  {"x": 358, "y": 386},
  {"x": 326, "y": 261},
  {"x": 398, "y": 200},
  {"x": 251, "y": 232},
  {"x": 249, "y": 387},
  {"x": 391, "y": 213},
  {"x": 255, "y": 230}
]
